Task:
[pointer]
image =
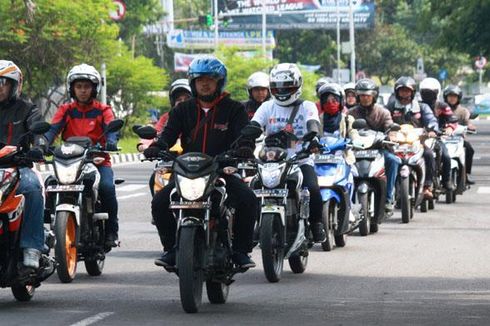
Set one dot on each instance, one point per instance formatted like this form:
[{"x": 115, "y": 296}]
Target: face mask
[{"x": 331, "y": 108}]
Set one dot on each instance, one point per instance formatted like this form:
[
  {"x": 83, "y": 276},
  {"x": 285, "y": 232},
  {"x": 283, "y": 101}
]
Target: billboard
[
  {"x": 297, "y": 14},
  {"x": 204, "y": 39}
]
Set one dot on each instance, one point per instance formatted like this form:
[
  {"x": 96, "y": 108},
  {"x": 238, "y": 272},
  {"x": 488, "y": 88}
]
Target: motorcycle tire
[
  {"x": 190, "y": 259},
  {"x": 366, "y": 221},
  {"x": 451, "y": 194},
  {"x": 424, "y": 206},
  {"x": 298, "y": 263},
  {"x": 341, "y": 240},
  {"x": 405, "y": 199},
  {"x": 272, "y": 246},
  {"x": 431, "y": 204},
  {"x": 23, "y": 293},
  {"x": 65, "y": 249},
  {"x": 374, "y": 227},
  {"x": 329, "y": 216},
  {"x": 94, "y": 266},
  {"x": 217, "y": 292}
]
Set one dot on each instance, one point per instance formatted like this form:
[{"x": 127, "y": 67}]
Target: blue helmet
[{"x": 207, "y": 66}]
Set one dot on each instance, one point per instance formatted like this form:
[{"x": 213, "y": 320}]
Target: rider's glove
[
  {"x": 152, "y": 151},
  {"x": 111, "y": 147},
  {"x": 314, "y": 145}
]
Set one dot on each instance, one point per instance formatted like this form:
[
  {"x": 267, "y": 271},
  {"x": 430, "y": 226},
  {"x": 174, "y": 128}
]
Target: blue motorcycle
[{"x": 336, "y": 187}]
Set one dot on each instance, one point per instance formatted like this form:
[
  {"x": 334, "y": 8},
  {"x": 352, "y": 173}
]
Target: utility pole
[
  {"x": 216, "y": 35},
  {"x": 264, "y": 28},
  {"x": 103, "y": 91},
  {"x": 338, "y": 40},
  {"x": 352, "y": 43}
]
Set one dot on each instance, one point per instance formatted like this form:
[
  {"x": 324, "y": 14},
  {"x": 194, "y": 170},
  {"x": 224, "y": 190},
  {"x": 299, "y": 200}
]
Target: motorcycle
[
  {"x": 13, "y": 274},
  {"x": 336, "y": 184},
  {"x": 74, "y": 205},
  {"x": 283, "y": 222},
  {"x": 411, "y": 173},
  {"x": 204, "y": 225},
  {"x": 456, "y": 150}
]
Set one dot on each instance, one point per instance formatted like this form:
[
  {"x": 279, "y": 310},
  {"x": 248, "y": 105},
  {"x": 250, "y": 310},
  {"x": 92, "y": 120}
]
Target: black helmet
[
  {"x": 367, "y": 86},
  {"x": 331, "y": 88},
  {"x": 407, "y": 82},
  {"x": 452, "y": 90},
  {"x": 320, "y": 82}
]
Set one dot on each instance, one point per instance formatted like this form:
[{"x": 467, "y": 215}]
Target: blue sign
[{"x": 443, "y": 74}]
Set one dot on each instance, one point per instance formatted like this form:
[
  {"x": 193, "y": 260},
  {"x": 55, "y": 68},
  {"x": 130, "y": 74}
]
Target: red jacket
[{"x": 76, "y": 119}]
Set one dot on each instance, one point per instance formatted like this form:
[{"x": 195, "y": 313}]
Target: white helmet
[
  {"x": 177, "y": 87},
  {"x": 349, "y": 87},
  {"x": 285, "y": 83},
  {"x": 9, "y": 70},
  {"x": 258, "y": 79},
  {"x": 430, "y": 84},
  {"x": 83, "y": 72}
]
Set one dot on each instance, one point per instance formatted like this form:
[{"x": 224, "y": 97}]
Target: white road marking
[
  {"x": 93, "y": 319},
  {"x": 130, "y": 187},
  {"x": 138, "y": 194},
  {"x": 483, "y": 190}
]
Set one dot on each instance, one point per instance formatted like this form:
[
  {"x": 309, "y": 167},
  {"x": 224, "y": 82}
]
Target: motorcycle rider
[
  {"x": 379, "y": 119},
  {"x": 17, "y": 116},
  {"x": 258, "y": 92},
  {"x": 286, "y": 82},
  {"x": 452, "y": 96},
  {"x": 350, "y": 95},
  {"x": 209, "y": 123},
  {"x": 319, "y": 83},
  {"x": 85, "y": 116}
]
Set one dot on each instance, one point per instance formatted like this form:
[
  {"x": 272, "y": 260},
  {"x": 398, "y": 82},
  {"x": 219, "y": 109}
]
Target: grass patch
[{"x": 128, "y": 144}]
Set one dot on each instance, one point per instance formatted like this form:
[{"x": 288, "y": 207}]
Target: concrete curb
[{"x": 115, "y": 159}]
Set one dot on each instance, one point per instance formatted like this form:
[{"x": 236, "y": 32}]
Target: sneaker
[
  {"x": 167, "y": 259},
  {"x": 318, "y": 231},
  {"x": 388, "y": 207},
  {"x": 427, "y": 192},
  {"x": 111, "y": 240},
  {"x": 242, "y": 260},
  {"x": 31, "y": 258},
  {"x": 469, "y": 181}
]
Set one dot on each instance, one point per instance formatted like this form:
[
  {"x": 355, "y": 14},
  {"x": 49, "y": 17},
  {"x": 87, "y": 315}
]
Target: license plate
[
  {"x": 65, "y": 188},
  {"x": 366, "y": 154},
  {"x": 328, "y": 159},
  {"x": 189, "y": 205},
  {"x": 271, "y": 192}
]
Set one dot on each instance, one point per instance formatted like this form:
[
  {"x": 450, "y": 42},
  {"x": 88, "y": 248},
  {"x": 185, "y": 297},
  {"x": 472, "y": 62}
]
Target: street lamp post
[
  {"x": 338, "y": 40},
  {"x": 215, "y": 2},
  {"x": 264, "y": 27},
  {"x": 352, "y": 43}
]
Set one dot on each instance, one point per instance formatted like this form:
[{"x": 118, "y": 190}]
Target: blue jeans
[
  {"x": 107, "y": 193},
  {"x": 32, "y": 233},
  {"x": 391, "y": 170}
]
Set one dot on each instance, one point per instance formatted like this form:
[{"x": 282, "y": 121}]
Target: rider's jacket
[
  {"x": 416, "y": 113},
  {"x": 207, "y": 130},
  {"x": 16, "y": 118},
  {"x": 378, "y": 118},
  {"x": 76, "y": 119},
  {"x": 251, "y": 107},
  {"x": 463, "y": 114}
]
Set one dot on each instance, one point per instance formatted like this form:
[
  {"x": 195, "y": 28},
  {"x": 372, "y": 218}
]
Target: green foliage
[
  {"x": 46, "y": 39},
  {"x": 239, "y": 69},
  {"x": 138, "y": 14}
]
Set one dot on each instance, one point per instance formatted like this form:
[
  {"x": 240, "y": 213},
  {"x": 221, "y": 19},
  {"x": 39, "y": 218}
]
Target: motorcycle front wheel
[
  {"x": 272, "y": 246},
  {"x": 329, "y": 216},
  {"x": 65, "y": 248},
  {"x": 365, "y": 224},
  {"x": 405, "y": 199},
  {"x": 190, "y": 259}
]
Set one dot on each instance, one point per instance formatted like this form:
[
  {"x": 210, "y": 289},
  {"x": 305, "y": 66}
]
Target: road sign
[
  {"x": 480, "y": 62},
  {"x": 443, "y": 74},
  {"x": 175, "y": 38},
  {"x": 120, "y": 11}
]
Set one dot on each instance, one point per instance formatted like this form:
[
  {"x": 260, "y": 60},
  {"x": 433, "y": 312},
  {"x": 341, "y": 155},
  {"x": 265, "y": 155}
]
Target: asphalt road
[{"x": 432, "y": 271}]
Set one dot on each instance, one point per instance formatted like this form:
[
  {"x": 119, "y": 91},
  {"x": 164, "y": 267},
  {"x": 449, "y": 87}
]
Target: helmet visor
[
  {"x": 366, "y": 92},
  {"x": 286, "y": 91},
  {"x": 283, "y": 84}
]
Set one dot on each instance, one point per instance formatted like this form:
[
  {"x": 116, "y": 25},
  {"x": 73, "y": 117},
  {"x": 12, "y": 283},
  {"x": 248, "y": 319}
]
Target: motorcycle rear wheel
[
  {"x": 217, "y": 291},
  {"x": 190, "y": 258},
  {"x": 329, "y": 216},
  {"x": 298, "y": 263},
  {"x": 23, "y": 293},
  {"x": 272, "y": 246},
  {"x": 66, "y": 246},
  {"x": 94, "y": 267}
]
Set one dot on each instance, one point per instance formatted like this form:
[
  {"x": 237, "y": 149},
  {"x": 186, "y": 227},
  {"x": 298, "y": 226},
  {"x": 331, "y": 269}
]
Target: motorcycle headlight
[
  {"x": 192, "y": 189},
  {"x": 271, "y": 174},
  {"x": 67, "y": 173}
]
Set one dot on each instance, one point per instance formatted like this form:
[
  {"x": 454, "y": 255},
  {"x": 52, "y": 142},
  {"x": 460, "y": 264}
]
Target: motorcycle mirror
[
  {"x": 40, "y": 128},
  {"x": 394, "y": 127},
  {"x": 309, "y": 136},
  {"x": 114, "y": 125},
  {"x": 146, "y": 132},
  {"x": 359, "y": 124},
  {"x": 473, "y": 115},
  {"x": 251, "y": 131},
  {"x": 136, "y": 127}
]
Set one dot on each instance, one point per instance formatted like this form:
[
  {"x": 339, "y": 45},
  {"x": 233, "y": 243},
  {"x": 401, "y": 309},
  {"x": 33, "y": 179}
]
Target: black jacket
[
  {"x": 16, "y": 118},
  {"x": 223, "y": 125},
  {"x": 250, "y": 107}
]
